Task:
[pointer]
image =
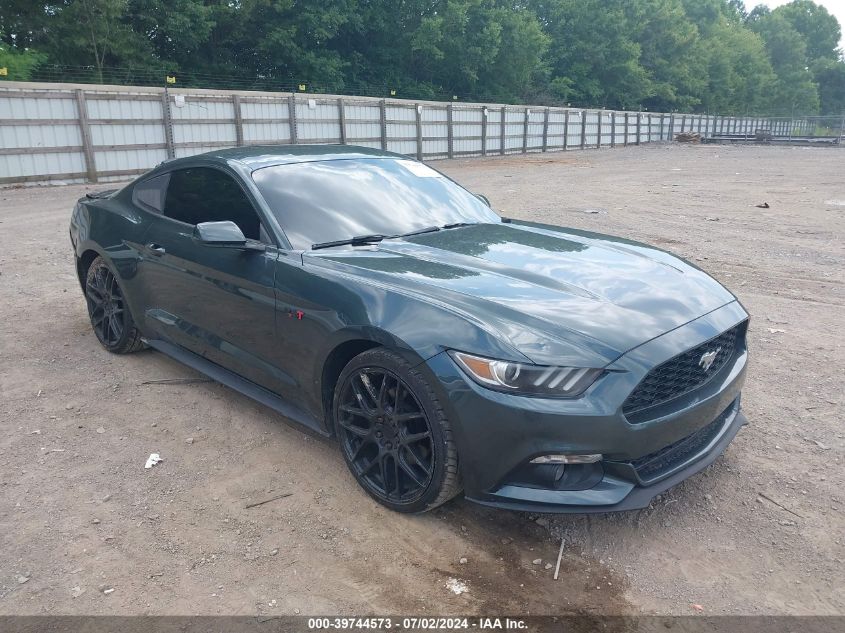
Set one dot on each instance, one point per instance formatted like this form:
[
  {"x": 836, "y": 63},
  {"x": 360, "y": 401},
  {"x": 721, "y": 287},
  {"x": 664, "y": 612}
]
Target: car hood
[{"x": 556, "y": 295}]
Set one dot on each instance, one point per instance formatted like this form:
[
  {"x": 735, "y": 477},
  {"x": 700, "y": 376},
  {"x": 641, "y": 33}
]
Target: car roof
[{"x": 259, "y": 156}]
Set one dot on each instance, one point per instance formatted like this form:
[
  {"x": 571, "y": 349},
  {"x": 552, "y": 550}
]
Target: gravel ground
[{"x": 87, "y": 530}]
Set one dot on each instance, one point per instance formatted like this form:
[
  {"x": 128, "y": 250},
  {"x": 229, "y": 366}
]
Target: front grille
[
  {"x": 681, "y": 374},
  {"x": 653, "y": 465}
]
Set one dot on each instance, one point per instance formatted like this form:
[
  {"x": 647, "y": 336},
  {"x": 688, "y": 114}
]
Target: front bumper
[{"x": 499, "y": 434}]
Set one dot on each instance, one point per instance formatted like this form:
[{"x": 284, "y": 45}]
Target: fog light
[{"x": 567, "y": 459}]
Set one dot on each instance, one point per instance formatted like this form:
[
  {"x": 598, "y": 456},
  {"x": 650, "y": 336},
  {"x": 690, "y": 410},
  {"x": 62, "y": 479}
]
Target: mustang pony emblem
[{"x": 708, "y": 358}]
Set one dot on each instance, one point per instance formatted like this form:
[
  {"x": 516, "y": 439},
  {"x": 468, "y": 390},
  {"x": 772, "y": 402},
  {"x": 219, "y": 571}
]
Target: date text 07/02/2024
[{"x": 417, "y": 623}]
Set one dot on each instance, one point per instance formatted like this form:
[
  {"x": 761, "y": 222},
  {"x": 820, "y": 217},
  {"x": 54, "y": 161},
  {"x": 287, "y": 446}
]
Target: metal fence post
[
  {"x": 418, "y": 115},
  {"x": 167, "y": 121},
  {"x": 639, "y": 124},
  {"x": 382, "y": 115},
  {"x": 546, "y": 130},
  {"x": 662, "y": 119},
  {"x": 566, "y": 130},
  {"x": 484, "y": 130},
  {"x": 598, "y": 135},
  {"x": 239, "y": 122},
  {"x": 583, "y": 129},
  {"x": 341, "y": 117},
  {"x": 626, "y": 129},
  {"x": 613, "y": 129},
  {"x": 525, "y": 130},
  {"x": 502, "y": 131},
  {"x": 85, "y": 131},
  {"x": 451, "y": 135},
  {"x": 292, "y": 118}
]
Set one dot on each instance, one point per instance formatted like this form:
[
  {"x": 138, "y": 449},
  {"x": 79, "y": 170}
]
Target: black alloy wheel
[
  {"x": 391, "y": 444},
  {"x": 110, "y": 317}
]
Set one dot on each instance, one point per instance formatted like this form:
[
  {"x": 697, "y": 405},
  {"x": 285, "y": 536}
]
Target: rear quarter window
[{"x": 150, "y": 193}]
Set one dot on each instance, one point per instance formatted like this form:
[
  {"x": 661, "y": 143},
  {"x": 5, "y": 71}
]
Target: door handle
[{"x": 156, "y": 249}]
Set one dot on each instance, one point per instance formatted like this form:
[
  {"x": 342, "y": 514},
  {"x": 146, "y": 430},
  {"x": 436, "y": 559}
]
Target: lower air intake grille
[{"x": 659, "y": 462}]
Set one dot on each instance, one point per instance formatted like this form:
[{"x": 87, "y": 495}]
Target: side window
[
  {"x": 202, "y": 194},
  {"x": 150, "y": 193}
]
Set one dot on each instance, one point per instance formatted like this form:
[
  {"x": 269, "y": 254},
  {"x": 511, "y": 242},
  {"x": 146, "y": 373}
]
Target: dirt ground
[{"x": 87, "y": 530}]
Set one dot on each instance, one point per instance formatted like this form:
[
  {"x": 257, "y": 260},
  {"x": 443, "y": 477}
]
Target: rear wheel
[
  {"x": 394, "y": 434},
  {"x": 107, "y": 309}
]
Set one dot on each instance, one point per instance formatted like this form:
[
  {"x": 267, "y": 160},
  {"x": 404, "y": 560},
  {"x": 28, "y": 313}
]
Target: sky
[{"x": 834, "y": 7}]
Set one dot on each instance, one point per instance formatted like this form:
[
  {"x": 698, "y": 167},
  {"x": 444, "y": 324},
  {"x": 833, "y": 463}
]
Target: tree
[
  {"x": 671, "y": 54},
  {"x": 19, "y": 63},
  {"x": 691, "y": 55},
  {"x": 739, "y": 75},
  {"x": 795, "y": 89},
  {"x": 175, "y": 29},
  {"x": 830, "y": 76},
  {"x": 592, "y": 57},
  {"x": 92, "y": 33},
  {"x": 819, "y": 30},
  {"x": 478, "y": 47}
]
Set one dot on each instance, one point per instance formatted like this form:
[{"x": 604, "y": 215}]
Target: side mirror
[
  {"x": 484, "y": 199},
  {"x": 225, "y": 233}
]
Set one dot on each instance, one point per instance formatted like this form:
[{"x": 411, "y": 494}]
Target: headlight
[{"x": 527, "y": 379}]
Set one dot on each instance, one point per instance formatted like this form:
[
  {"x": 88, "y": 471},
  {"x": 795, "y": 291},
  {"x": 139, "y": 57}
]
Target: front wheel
[
  {"x": 394, "y": 434},
  {"x": 108, "y": 311}
]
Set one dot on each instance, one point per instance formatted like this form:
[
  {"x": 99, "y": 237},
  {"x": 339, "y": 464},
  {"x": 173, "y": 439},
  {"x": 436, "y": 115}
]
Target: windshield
[{"x": 323, "y": 201}]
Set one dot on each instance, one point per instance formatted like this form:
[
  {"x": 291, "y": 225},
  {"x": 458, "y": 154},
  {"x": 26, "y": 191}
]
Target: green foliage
[
  {"x": 794, "y": 90},
  {"x": 19, "y": 64},
  {"x": 830, "y": 76},
  {"x": 664, "y": 55},
  {"x": 94, "y": 32},
  {"x": 739, "y": 75},
  {"x": 819, "y": 30},
  {"x": 592, "y": 56}
]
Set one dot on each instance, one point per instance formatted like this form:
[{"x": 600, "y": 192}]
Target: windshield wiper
[
  {"x": 358, "y": 240},
  {"x": 428, "y": 229},
  {"x": 455, "y": 225},
  {"x": 363, "y": 240}
]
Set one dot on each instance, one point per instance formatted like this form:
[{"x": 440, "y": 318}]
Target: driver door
[{"x": 215, "y": 301}]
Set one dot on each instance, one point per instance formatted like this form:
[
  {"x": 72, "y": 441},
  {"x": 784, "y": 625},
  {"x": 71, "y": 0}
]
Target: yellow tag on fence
[
  {"x": 301, "y": 87},
  {"x": 392, "y": 93},
  {"x": 4, "y": 72},
  {"x": 171, "y": 80}
]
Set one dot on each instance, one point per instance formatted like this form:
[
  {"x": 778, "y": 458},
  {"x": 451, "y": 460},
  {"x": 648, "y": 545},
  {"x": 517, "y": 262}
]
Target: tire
[
  {"x": 393, "y": 433},
  {"x": 109, "y": 313}
]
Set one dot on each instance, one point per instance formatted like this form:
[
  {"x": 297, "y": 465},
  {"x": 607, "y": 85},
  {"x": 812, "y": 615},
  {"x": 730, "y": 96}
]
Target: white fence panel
[
  {"x": 494, "y": 130},
  {"x": 435, "y": 131},
  {"x": 466, "y": 131},
  {"x": 73, "y": 133}
]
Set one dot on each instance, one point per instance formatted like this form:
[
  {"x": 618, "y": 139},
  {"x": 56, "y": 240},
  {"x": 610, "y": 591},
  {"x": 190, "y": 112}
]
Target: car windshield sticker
[{"x": 418, "y": 169}]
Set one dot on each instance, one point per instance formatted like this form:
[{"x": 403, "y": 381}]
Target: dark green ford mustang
[{"x": 370, "y": 298}]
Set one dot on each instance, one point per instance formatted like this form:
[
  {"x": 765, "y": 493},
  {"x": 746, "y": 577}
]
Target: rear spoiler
[{"x": 95, "y": 195}]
